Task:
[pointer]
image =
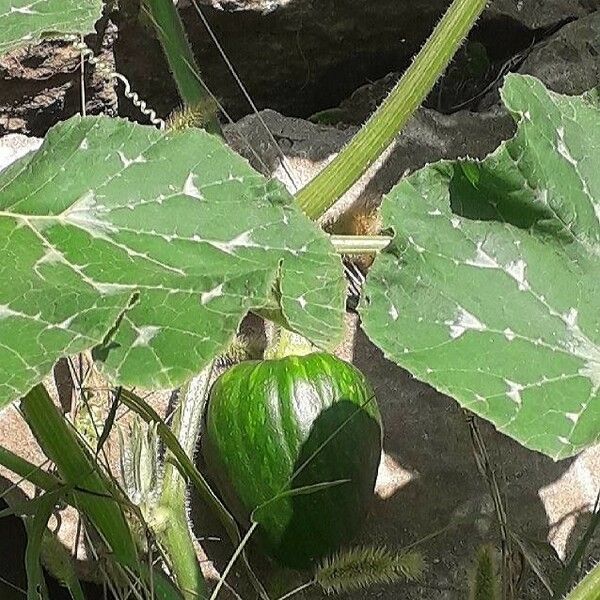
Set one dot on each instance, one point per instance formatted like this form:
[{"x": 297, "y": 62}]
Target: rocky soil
[
  {"x": 297, "y": 57},
  {"x": 300, "y": 58}
]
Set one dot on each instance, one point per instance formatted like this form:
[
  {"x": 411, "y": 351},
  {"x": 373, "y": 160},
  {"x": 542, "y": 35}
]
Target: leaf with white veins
[
  {"x": 490, "y": 291},
  {"x": 172, "y": 235},
  {"x": 27, "y": 21}
]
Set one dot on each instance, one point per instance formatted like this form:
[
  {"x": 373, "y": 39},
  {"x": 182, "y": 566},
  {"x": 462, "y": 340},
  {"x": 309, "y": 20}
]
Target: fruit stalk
[
  {"x": 360, "y": 244},
  {"x": 171, "y": 514}
]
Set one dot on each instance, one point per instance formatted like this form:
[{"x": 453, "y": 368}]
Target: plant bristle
[
  {"x": 484, "y": 585},
  {"x": 362, "y": 567},
  {"x": 194, "y": 116}
]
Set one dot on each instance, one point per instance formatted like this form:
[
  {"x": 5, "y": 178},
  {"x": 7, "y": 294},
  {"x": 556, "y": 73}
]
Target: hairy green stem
[
  {"x": 189, "y": 470},
  {"x": 174, "y": 534},
  {"x": 589, "y": 587},
  {"x": 360, "y": 244},
  {"x": 174, "y": 537},
  {"x": 383, "y": 126},
  {"x": 179, "y": 54},
  {"x": 95, "y": 495}
]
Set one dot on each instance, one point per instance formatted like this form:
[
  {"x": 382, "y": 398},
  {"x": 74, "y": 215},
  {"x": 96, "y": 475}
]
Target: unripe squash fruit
[{"x": 276, "y": 426}]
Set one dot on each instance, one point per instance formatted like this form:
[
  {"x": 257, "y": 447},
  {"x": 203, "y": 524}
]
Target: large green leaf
[
  {"x": 27, "y": 21},
  {"x": 490, "y": 290},
  {"x": 172, "y": 235}
]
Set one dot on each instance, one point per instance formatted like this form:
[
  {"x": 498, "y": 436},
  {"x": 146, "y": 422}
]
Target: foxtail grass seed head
[
  {"x": 364, "y": 566},
  {"x": 484, "y": 579},
  {"x": 198, "y": 116}
]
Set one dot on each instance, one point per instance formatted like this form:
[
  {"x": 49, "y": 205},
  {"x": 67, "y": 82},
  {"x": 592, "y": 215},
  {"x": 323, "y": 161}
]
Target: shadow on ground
[
  {"x": 13, "y": 577},
  {"x": 432, "y": 481}
]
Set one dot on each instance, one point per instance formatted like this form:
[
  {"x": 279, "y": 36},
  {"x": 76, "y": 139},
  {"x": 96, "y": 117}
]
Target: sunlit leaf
[
  {"x": 27, "y": 21},
  {"x": 150, "y": 247},
  {"x": 490, "y": 291}
]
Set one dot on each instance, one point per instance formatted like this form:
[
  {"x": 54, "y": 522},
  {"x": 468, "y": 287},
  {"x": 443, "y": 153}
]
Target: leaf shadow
[
  {"x": 436, "y": 487},
  {"x": 325, "y": 456},
  {"x": 427, "y": 437}
]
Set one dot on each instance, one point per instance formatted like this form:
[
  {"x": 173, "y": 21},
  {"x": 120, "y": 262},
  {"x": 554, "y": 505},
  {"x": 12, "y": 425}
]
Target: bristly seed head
[
  {"x": 364, "y": 566},
  {"x": 195, "y": 116},
  {"x": 484, "y": 579}
]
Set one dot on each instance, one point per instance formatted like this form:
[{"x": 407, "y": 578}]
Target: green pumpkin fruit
[{"x": 281, "y": 425}]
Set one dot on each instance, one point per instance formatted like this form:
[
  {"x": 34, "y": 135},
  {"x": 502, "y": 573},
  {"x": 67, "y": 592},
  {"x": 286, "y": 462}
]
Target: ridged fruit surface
[{"x": 275, "y": 427}]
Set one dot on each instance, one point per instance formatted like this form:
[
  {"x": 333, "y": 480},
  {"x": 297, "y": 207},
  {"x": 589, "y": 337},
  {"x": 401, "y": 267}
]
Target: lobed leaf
[
  {"x": 27, "y": 21},
  {"x": 150, "y": 247},
  {"x": 490, "y": 290}
]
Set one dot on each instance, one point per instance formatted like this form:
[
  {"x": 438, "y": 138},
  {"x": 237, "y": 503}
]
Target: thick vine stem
[
  {"x": 171, "y": 518},
  {"x": 383, "y": 126}
]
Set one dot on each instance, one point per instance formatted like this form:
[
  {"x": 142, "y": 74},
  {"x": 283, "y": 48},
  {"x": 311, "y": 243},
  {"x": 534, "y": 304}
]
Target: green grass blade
[
  {"x": 36, "y": 527},
  {"x": 30, "y": 507},
  {"x": 27, "y": 470},
  {"x": 299, "y": 491},
  {"x": 53, "y": 555},
  {"x": 163, "y": 588},
  {"x": 96, "y": 495}
]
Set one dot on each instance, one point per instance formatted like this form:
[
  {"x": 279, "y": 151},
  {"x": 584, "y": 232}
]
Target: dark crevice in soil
[
  {"x": 39, "y": 104},
  {"x": 470, "y": 76},
  {"x": 503, "y": 41},
  {"x": 476, "y": 71},
  {"x": 13, "y": 577},
  {"x": 25, "y": 89},
  {"x": 41, "y": 85},
  {"x": 321, "y": 78}
]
